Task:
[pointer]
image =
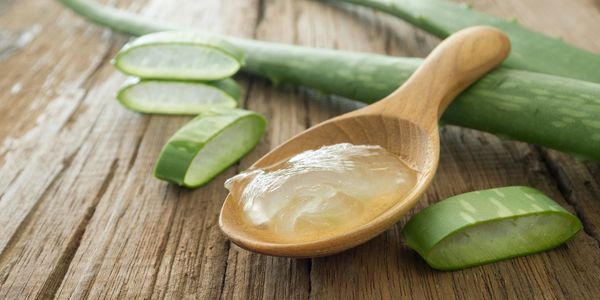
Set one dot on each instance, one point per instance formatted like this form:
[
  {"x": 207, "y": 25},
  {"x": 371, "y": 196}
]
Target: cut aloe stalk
[
  {"x": 208, "y": 145},
  {"x": 179, "y": 55},
  {"x": 555, "y": 112},
  {"x": 178, "y": 97},
  {"x": 487, "y": 226}
]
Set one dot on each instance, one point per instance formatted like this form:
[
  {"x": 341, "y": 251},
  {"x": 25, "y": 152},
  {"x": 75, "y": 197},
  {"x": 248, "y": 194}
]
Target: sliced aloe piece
[
  {"x": 178, "y": 97},
  {"x": 207, "y": 145},
  {"x": 487, "y": 226},
  {"x": 179, "y": 55}
]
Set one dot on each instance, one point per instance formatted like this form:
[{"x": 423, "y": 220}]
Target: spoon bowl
[{"x": 405, "y": 123}]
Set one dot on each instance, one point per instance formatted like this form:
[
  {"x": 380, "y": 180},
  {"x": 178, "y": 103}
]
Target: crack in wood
[
  {"x": 164, "y": 243},
  {"x": 260, "y": 15},
  {"x": 563, "y": 184},
  {"x": 84, "y": 287},
  {"x": 138, "y": 144},
  {"x": 12, "y": 181},
  {"x": 306, "y": 104},
  {"x": 310, "y": 279},
  {"x": 225, "y": 265},
  {"x": 178, "y": 239},
  {"x": 24, "y": 225},
  {"x": 246, "y": 100},
  {"x": 56, "y": 277}
]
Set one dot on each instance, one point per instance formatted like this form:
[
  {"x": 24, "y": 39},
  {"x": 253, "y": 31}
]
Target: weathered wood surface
[{"x": 81, "y": 215}]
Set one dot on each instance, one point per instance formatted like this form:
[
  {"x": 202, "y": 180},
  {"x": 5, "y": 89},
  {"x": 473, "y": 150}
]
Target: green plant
[{"x": 556, "y": 112}]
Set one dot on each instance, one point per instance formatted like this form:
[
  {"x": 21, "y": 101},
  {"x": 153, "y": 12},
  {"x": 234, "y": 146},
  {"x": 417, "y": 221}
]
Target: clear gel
[{"x": 324, "y": 192}]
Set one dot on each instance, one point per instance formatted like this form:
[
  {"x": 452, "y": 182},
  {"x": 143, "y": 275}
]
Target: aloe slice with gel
[
  {"x": 178, "y": 97},
  {"x": 179, "y": 55},
  {"x": 486, "y": 226},
  {"x": 207, "y": 145}
]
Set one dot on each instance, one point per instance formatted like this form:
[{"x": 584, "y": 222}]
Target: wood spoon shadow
[{"x": 405, "y": 123}]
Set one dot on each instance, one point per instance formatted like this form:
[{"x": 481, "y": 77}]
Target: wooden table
[{"x": 82, "y": 216}]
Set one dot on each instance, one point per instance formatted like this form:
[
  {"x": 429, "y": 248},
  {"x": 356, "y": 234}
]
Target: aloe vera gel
[{"x": 320, "y": 193}]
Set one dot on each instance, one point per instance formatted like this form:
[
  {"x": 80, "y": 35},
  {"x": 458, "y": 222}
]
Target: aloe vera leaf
[
  {"x": 207, "y": 145},
  {"x": 178, "y": 97},
  {"x": 179, "y": 55},
  {"x": 531, "y": 51},
  {"x": 486, "y": 226},
  {"x": 551, "y": 111}
]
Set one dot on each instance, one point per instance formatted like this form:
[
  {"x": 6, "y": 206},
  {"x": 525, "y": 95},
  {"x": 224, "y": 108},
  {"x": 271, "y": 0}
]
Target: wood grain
[{"x": 81, "y": 215}]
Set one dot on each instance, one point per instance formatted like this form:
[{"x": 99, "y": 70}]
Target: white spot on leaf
[
  {"x": 536, "y": 207},
  {"x": 467, "y": 217},
  {"x": 499, "y": 193},
  {"x": 503, "y": 211},
  {"x": 467, "y": 206}
]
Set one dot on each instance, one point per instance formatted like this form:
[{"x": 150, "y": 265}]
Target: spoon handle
[{"x": 455, "y": 64}]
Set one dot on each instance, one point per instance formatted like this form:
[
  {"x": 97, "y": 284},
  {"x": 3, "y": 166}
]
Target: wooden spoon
[{"x": 405, "y": 123}]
